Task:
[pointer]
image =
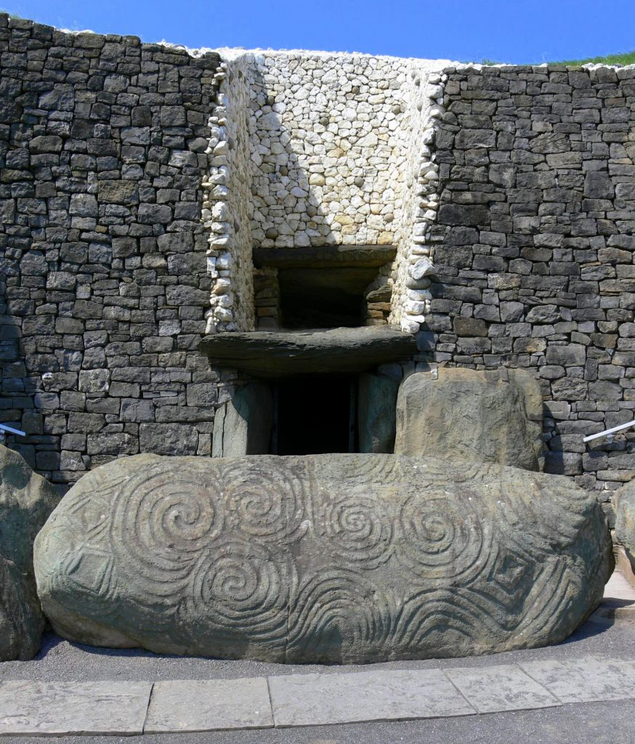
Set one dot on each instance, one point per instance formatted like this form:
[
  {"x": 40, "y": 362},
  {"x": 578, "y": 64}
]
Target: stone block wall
[
  {"x": 535, "y": 240},
  {"x": 136, "y": 179},
  {"x": 325, "y": 133},
  {"x": 103, "y": 281}
]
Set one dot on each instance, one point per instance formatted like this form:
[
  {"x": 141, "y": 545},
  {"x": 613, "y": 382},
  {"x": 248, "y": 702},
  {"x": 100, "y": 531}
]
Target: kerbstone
[
  {"x": 57, "y": 708},
  {"x": 325, "y": 558},
  {"x": 584, "y": 680},
  {"x": 505, "y": 687},
  {"x": 209, "y": 705}
]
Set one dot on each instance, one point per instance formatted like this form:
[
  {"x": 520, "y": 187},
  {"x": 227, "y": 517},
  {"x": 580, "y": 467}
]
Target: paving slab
[
  {"x": 58, "y": 708},
  {"x": 210, "y": 705},
  {"x": 585, "y": 680},
  {"x": 501, "y": 688},
  {"x": 319, "y": 699}
]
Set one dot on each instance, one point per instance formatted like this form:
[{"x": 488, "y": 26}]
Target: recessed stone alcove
[
  {"x": 327, "y": 287},
  {"x": 328, "y": 308}
]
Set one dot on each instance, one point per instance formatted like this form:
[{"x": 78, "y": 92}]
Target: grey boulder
[
  {"x": 475, "y": 416},
  {"x": 26, "y": 501},
  {"x": 327, "y": 558}
]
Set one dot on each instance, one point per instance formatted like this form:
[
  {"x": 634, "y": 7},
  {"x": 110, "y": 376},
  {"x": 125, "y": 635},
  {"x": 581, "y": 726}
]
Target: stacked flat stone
[
  {"x": 137, "y": 179},
  {"x": 103, "y": 286},
  {"x": 319, "y": 149},
  {"x": 228, "y": 205},
  {"x": 534, "y": 248},
  {"x": 414, "y": 262},
  {"x": 325, "y": 137}
]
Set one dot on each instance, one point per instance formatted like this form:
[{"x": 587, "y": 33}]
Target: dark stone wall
[
  {"x": 534, "y": 248},
  {"x": 103, "y": 277},
  {"x": 103, "y": 281}
]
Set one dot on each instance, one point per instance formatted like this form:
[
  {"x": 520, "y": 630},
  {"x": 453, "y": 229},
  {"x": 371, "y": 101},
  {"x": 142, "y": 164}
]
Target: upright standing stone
[
  {"x": 377, "y": 399},
  {"x": 26, "y": 500},
  {"x": 243, "y": 425},
  {"x": 468, "y": 415},
  {"x": 625, "y": 519}
]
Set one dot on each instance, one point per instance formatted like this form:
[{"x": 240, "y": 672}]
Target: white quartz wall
[
  {"x": 228, "y": 209},
  {"x": 413, "y": 266},
  {"x": 313, "y": 149},
  {"x": 325, "y": 140}
]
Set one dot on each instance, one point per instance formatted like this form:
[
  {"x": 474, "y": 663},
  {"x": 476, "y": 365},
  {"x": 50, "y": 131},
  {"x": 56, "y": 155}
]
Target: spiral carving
[
  {"x": 336, "y": 612},
  {"x": 241, "y": 589},
  {"x": 337, "y": 558},
  {"x": 160, "y": 525},
  {"x": 358, "y": 529},
  {"x": 443, "y": 536},
  {"x": 262, "y": 505}
]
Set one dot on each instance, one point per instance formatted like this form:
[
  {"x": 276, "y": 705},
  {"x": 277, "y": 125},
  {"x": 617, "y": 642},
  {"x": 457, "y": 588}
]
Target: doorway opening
[{"x": 314, "y": 415}]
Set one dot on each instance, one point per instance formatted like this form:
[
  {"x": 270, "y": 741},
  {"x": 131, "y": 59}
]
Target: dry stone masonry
[
  {"x": 104, "y": 285},
  {"x": 313, "y": 149},
  {"x": 138, "y": 179},
  {"x": 535, "y": 241}
]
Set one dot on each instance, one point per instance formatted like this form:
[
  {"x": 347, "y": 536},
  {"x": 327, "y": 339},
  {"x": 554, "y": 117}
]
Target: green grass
[{"x": 624, "y": 58}]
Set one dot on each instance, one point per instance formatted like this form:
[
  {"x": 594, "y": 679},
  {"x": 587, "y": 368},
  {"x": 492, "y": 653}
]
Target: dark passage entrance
[
  {"x": 313, "y": 415},
  {"x": 323, "y": 298}
]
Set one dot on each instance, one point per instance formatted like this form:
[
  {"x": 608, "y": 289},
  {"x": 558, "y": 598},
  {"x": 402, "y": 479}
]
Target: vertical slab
[
  {"x": 243, "y": 426},
  {"x": 501, "y": 688},
  {"x": 318, "y": 699},
  {"x": 209, "y": 705},
  {"x": 376, "y": 413},
  {"x": 56, "y": 708}
]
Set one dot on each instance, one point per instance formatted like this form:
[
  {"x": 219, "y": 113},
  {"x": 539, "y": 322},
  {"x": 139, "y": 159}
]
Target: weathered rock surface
[
  {"x": 324, "y": 256},
  {"x": 625, "y": 519},
  {"x": 285, "y": 353},
  {"x": 377, "y": 397},
  {"x": 470, "y": 415},
  {"x": 26, "y": 500},
  {"x": 326, "y": 558},
  {"x": 242, "y": 426}
]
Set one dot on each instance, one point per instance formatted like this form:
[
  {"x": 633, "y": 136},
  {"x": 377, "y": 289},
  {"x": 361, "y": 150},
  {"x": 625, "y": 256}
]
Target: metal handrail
[
  {"x": 4, "y": 430},
  {"x": 608, "y": 432}
]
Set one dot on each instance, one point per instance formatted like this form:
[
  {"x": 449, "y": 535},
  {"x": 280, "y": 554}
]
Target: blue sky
[{"x": 516, "y": 31}]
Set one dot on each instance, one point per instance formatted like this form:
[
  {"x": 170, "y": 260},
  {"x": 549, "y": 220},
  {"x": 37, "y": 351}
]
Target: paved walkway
[{"x": 42, "y": 708}]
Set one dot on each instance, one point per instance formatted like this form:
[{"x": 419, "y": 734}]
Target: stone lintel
[{"x": 274, "y": 354}]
